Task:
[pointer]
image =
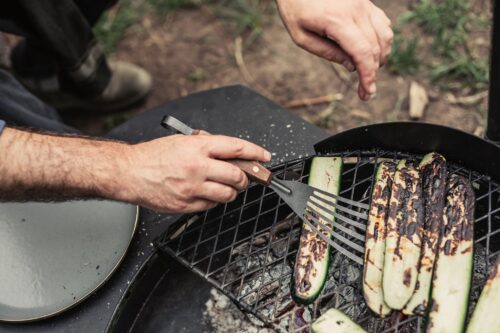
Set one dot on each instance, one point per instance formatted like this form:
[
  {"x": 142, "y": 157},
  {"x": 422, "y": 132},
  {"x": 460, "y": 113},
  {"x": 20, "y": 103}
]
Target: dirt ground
[{"x": 190, "y": 50}]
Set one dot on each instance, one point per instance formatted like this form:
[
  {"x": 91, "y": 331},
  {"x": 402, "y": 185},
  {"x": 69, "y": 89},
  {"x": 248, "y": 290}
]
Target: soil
[{"x": 190, "y": 50}]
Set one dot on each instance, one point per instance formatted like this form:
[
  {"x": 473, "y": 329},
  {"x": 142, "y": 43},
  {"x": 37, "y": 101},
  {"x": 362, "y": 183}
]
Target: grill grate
[{"x": 247, "y": 248}]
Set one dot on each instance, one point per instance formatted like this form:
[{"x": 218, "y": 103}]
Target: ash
[{"x": 224, "y": 317}]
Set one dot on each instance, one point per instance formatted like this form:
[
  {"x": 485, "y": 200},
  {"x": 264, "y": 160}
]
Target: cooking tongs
[{"x": 309, "y": 203}]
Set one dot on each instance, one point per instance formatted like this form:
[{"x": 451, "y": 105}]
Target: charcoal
[
  {"x": 352, "y": 274},
  {"x": 347, "y": 294}
]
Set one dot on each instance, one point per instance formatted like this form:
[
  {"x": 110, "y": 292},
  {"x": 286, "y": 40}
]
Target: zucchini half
[
  {"x": 334, "y": 321},
  {"x": 404, "y": 234},
  {"x": 313, "y": 256},
  {"x": 453, "y": 269},
  {"x": 486, "y": 317},
  {"x": 375, "y": 239},
  {"x": 433, "y": 173}
]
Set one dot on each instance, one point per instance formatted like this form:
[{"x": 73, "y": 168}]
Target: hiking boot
[{"x": 128, "y": 85}]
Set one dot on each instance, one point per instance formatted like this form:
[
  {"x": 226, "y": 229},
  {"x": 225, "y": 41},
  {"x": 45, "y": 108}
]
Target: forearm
[
  {"x": 171, "y": 174},
  {"x": 37, "y": 166}
]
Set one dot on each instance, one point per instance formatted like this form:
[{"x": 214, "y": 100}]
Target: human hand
[
  {"x": 355, "y": 33},
  {"x": 179, "y": 174}
]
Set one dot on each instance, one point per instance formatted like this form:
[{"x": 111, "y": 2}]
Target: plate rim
[{"x": 91, "y": 292}]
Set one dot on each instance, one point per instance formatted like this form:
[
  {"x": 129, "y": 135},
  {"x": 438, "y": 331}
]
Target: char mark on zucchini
[
  {"x": 453, "y": 267},
  {"x": 313, "y": 256},
  {"x": 404, "y": 236},
  {"x": 434, "y": 173},
  {"x": 375, "y": 239},
  {"x": 485, "y": 317}
]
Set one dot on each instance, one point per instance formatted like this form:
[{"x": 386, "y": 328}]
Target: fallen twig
[
  {"x": 467, "y": 100},
  {"x": 238, "y": 55},
  {"x": 343, "y": 74},
  {"x": 295, "y": 103}
]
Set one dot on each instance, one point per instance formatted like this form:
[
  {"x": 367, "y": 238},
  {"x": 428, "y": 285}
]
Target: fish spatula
[{"x": 309, "y": 203}]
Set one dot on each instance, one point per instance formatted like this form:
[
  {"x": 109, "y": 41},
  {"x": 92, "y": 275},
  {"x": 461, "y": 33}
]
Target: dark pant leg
[
  {"x": 93, "y": 9},
  {"x": 20, "y": 108},
  {"x": 59, "y": 38}
]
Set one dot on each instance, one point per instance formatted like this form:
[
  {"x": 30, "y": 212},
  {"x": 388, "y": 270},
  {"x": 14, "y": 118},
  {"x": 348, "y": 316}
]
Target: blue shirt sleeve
[{"x": 2, "y": 125}]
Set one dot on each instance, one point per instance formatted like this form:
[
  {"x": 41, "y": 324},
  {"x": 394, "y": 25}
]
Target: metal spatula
[{"x": 306, "y": 201}]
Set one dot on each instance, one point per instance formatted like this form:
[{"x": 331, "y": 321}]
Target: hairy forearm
[{"x": 36, "y": 166}]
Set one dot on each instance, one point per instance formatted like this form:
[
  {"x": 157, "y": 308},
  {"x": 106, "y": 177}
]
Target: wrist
[{"x": 113, "y": 175}]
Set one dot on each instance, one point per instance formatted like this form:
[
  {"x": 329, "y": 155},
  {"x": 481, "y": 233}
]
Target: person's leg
[
  {"x": 93, "y": 9},
  {"x": 20, "y": 108},
  {"x": 60, "y": 59},
  {"x": 56, "y": 30}
]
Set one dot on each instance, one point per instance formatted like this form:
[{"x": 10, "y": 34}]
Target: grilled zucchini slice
[
  {"x": 403, "y": 240},
  {"x": 486, "y": 317},
  {"x": 334, "y": 321},
  {"x": 453, "y": 268},
  {"x": 313, "y": 256},
  {"x": 375, "y": 239},
  {"x": 433, "y": 173}
]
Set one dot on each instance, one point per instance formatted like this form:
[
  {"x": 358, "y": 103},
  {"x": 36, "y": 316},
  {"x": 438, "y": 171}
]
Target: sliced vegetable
[
  {"x": 486, "y": 317},
  {"x": 334, "y": 321},
  {"x": 433, "y": 173},
  {"x": 403, "y": 240},
  {"x": 375, "y": 239},
  {"x": 453, "y": 268},
  {"x": 313, "y": 256}
]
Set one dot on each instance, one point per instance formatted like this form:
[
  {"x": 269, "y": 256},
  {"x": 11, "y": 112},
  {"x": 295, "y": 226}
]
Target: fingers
[
  {"x": 382, "y": 25},
  {"x": 325, "y": 48},
  {"x": 216, "y": 192},
  {"x": 355, "y": 43},
  {"x": 199, "y": 205},
  {"x": 210, "y": 195},
  {"x": 224, "y": 147},
  {"x": 227, "y": 174},
  {"x": 371, "y": 36},
  {"x": 361, "y": 32}
]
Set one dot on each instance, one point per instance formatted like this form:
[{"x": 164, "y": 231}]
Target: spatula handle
[{"x": 254, "y": 170}]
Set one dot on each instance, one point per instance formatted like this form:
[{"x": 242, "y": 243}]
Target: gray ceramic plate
[{"x": 54, "y": 255}]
